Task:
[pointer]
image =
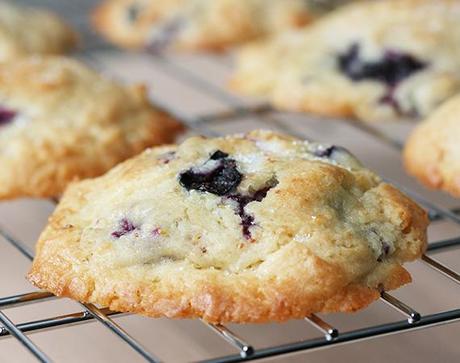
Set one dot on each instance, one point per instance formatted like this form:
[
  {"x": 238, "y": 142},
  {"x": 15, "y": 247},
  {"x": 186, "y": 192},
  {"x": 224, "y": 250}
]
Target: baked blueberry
[
  {"x": 7, "y": 115},
  {"x": 391, "y": 69},
  {"x": 325, "y": 151},
  {"x": 219, "y": 175},
  {"x": 126, "y": 226}
]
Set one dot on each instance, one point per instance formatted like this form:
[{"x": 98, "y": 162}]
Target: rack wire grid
[{"x": 192, "y": 87}]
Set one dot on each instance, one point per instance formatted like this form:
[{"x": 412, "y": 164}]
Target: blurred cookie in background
[
  {"x": 201, "y": 24},
  {"x": 128, "y": 23},
  {"x": 61, "y": 121},
  {"x": 25, "y": 31},
  {"x": 372, "y": 60},
  {"x": 432, "y": 153}
]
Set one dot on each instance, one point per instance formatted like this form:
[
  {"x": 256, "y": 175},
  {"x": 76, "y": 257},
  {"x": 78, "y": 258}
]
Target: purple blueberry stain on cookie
[
  {"x": 219, "y": 175},
  {"x": 385, "y": 247},
  {"x": 385, "y": 250},
  {"x": 391, "y": 69},
  {"x": 389, "y": 99},
  {"x": 156, "y": 232},
  {"x": 247, "y": 220},
  {"x": 125, "y": 227},
  {"x": 7, "y": 115}
]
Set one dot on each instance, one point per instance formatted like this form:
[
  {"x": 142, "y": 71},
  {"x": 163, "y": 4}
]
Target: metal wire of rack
[{"x": 330, "y": 335}]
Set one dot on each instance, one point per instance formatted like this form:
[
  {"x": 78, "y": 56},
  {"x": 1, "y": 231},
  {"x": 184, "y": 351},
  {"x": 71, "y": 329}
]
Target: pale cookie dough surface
[
  {"x": 202, "y": 24},
  {"x": 60, "y": 121},
  {"x": 432, "y": 153},
  {"x": 25, "y": 31},
  {"x": 375, "y": 61},
  {"x": 245, "y": 228}
]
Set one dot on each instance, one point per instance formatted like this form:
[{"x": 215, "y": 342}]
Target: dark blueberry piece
[
  {"x": 126, "y": 226},
  {"x": 385, "y": 246},
  {"x": 391, "y": 69},
  {"x": 6, "y": 115},
  {"x": 167, "y": 32},
  {"x": 132, "y": 12},
  {"x": 219, "y": 177},
  {"x": 324, "y": 152},
  {"x": 331, "y": 151},
  {"x": 218, "y": 155}
]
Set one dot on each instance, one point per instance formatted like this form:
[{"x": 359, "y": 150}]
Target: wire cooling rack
[{"x": 193, "y": 73}]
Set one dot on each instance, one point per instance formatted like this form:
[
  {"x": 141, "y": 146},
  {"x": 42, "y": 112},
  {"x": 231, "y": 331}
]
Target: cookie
[
  {"x": 432, "y": 152},
  {"x": 61, "y": 121},
  {"x": 128, "y": 23},
  {"x": 246, "y": 228},
  {"x": 372, "y": 60},
  {"x": 25, "y": 31},
  {"x": 201, "y": 24}
]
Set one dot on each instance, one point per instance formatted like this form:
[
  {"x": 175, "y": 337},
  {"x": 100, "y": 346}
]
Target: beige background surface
[{"x": 193, "y": 86}]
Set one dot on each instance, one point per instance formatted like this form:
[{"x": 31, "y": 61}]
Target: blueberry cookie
[
  {"x": 129, "y": 23},
  {"x": 60, "y": 121},
  {"x": 25, "y": 31},
  {"x": 246, "y": 228},
  {"x": 375, "y": 61},
  {"x": 201, "y": 24},
  {"x": 432, "y": 153}
]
